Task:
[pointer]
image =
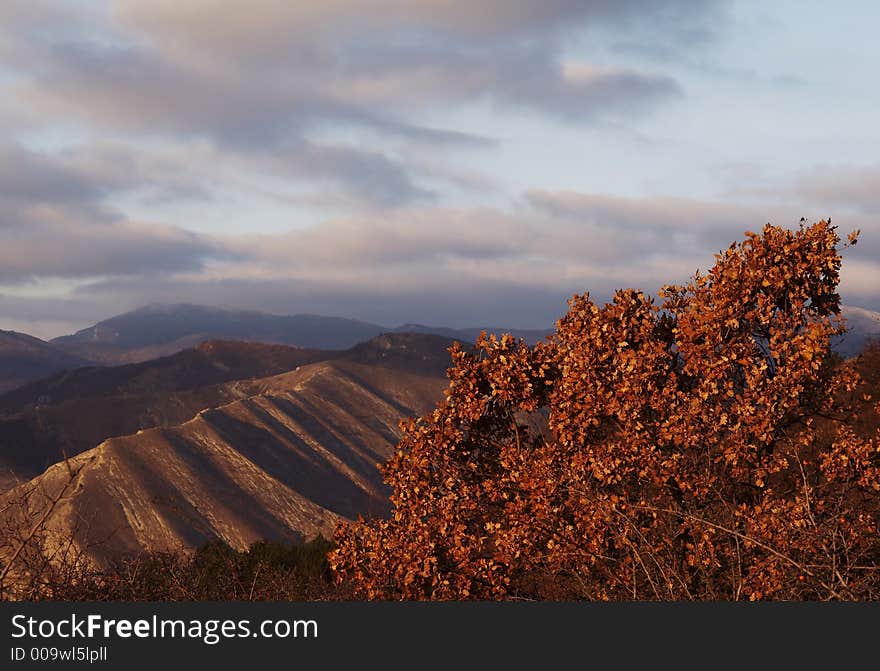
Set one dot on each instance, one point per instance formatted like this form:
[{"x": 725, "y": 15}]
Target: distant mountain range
[
  {"x": 160, "y": 330},
  {"x": 157, "y": 330}
]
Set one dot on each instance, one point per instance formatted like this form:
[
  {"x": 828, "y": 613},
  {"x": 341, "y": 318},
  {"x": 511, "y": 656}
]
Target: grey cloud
[
  {"x": 142, "y": 92},
  {"x": 84, "y": 176},
  {"x": 263, "y": 26},
  {"x": 529, "y": 75},
  {"x": 847, "y": 188},
  {"x": 848, "y": 194},
  {"x": 666, "y": 223},
  {"x": 408, "y": 237},
  {"x": 40, "y": 246},
  {"x": 49, "y": 317},
  {"x": 267, "y": 76},
  {"x": 587, "y": 93},
  {"x": 54, "y": 221},
  {"x": 370, "y": 176},
  {"x": 29, "y": 21},
  {"x": 464, "y": 267},
  {"x": 568, "y": 242},
  {"x": 519, "y": 291},
  {"x": 139, "y": 88},
  {"x": 30, "y": 177},
  {"x": 555, "y": 239},
  {"x": 685, "y": 228},
  {"x": 189, "y": 67},
  {"x": 854, "y": 188}
]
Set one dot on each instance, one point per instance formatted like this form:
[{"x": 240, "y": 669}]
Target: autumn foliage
[{"x": 699, "y": 448}]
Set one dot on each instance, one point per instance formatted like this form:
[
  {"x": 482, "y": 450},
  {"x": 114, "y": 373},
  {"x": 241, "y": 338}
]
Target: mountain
[
  {"x": 863, "y": 326},
  {"x": 286, "y": 461},
  {"x": 24, "y": 358},
  {"x": 470, "y": 335},
  {"x": 76, "y": 410},
  {"x": 156, "y": 330},
  {"x": 421, "y": 353},
  {"x": 209, "y": 363},
  {"x": 159, "y": 330}
]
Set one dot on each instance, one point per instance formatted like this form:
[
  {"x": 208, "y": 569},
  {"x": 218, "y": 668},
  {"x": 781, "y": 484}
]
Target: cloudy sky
[{"x": 438, "y": 161}]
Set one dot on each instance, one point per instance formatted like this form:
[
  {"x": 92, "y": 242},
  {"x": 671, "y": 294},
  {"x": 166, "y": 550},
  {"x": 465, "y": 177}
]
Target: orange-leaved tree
[{"x": 701, "y": 448}]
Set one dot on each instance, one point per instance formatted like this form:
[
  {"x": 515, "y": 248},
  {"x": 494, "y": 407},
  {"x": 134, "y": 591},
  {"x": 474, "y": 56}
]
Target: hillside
[
  {"x": 76, "y": 410},
  {"x": 24, "y": 358},
  {"x": 286, "y": 461},
  {"x": 209, "y": 363},
  {"x": 424, "y": 354}
]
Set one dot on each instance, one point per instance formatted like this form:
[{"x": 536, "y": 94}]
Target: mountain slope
[
  {"x": 212, "y": 362},
  {"x": 422, "y": 353},
  {"x": 24, "y": 358},
  {"x": 76, "y": 410},
  {"x": 283, "y": 463}
]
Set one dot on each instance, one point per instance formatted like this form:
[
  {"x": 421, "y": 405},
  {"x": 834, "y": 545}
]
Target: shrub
[{"x": 702, "y": 448}]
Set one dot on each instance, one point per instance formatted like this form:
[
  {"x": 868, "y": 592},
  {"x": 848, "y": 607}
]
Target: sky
[{"x": 435, "y": 161}]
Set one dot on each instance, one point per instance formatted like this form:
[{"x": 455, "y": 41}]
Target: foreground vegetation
[
  {"x": 214, "y": 572},
  {"x": 709, "y": 447}
]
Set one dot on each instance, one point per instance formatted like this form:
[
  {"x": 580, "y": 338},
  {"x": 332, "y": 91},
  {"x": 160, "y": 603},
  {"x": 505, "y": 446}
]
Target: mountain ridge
[
  {"x": 24, "y": 357},
  {"x": 166, "y": 328},
  {"x": 73, "y": 411},
  {"x": 296, "y": 454}
]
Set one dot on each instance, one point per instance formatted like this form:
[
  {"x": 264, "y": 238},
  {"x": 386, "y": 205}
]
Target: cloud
[
  {"x": 455, "y": 266},
  {"x": 853, "y": 188},
  {"x": 669, "y": 224},
  {"x": 358, "y": 108},
  {"x": 835, "y": 187},
  {"x": 370, "y": 177},
  {"x": 848, "y": 194},
  {"x": 49, "y": 317},
  {"x": 263, "y": 27},
  {"x": 54, "y": 221},
  {"x": 391, "y": 52},
  {"x": 562, "y": 239},
  {"x": 274, "y": 77},
  {"x": 557, "y": 243},
  {"x": 27, "y": 177},
  {"x": 87, "y": 175},
  {"x": 48, "y": 246}
]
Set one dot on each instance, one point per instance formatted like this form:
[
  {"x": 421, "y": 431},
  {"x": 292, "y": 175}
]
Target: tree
[{"x": 701, "y": 448}]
